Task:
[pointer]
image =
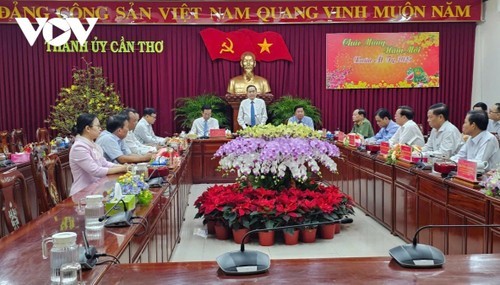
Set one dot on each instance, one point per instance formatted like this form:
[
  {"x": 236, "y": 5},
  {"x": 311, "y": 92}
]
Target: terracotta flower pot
[
  {"x": 327, "y": 231},
  {"x": 221, "y": 231},
  {"x": 308, "y": 235},
  {"x": 291, "y": 239},
  {"x": 266, "y": 238},
  {"x": 211, "y": 227},
  {"x": 238, "y": 235},
  {"x": 337, "y": 228}
]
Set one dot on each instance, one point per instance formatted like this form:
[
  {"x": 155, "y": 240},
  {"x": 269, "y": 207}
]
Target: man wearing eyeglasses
[
  {"x": 144, "y": 129},
  {"x": 494, "y": 116}
]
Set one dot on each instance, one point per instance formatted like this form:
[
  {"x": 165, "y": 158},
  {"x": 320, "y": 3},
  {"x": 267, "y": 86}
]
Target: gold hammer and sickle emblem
[{"x": 225, "y": 47}]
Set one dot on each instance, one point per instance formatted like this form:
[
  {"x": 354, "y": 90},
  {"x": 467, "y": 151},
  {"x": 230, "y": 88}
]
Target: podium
[{"x": 235, "y": 100}]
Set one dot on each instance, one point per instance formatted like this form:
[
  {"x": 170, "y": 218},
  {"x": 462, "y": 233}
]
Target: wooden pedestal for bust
[{"x": 235, "y": 100}]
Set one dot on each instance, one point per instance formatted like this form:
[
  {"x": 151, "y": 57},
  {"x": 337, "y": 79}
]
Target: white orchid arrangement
[{"x": 277, "y": 156}]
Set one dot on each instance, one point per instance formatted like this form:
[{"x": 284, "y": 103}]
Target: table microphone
[
  {"x": 121, "y": 219},
  {"x": 242, "y": 262},
  {"x": 105, "y": 217},
  {"x": 417, "y": 255}
]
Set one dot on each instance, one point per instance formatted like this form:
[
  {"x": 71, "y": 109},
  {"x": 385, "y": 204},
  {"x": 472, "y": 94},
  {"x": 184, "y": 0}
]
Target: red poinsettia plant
[{"x": 251, "y": 208}]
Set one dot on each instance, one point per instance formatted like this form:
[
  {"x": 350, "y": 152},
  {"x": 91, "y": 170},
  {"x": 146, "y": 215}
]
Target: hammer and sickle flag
[{"x": 267, "y": 46}]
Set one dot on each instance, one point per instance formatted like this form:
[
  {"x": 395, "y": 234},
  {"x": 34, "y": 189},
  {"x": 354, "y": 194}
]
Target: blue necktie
[
  {"x": 252, "y": 115},
  {"x": 205, "y": 129},
  {"x": 299, "y": 122}
]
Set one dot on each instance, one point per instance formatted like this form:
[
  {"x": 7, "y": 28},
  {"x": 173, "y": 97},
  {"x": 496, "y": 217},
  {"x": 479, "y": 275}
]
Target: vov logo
[{"x": 47, "y": 25}]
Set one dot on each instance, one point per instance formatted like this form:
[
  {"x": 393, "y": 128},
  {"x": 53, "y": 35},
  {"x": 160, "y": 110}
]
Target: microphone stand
[
  {"x": 415, "y": 237},
  {"x": 105, "y": 217},
  {"x": 415, "y": 255},
  {"x": 241, "y": 262}
]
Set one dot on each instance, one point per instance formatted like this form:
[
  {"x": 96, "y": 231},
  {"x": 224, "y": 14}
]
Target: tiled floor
[{"x": 364, "y": 237}]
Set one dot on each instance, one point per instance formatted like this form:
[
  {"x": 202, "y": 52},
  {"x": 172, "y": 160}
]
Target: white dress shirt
[
  {"x": 443, "y": 142},
  {"x": 145, "y": 134},
  {"x": 199, "y": 126},
  {"x": 136, "y": 146},
  {"x": 483, "y": 147},
  {"x": 493, "y": 126},
  {"x": 409, "y": 133},
  {"x": 244, "y": 112}
]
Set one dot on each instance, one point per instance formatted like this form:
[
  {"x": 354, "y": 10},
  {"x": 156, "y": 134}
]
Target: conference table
[
  {"x": 459, "y": 269},
  {"x": 401, "y": 198},
  {"x": 21, "y": 259}
]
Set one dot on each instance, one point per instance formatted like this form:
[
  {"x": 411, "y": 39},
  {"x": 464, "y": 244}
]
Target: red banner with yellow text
[
  {"x": 382, "y": 60},
  {"x": 246, "y": 12},
  {"x": 266, "y": 46}
]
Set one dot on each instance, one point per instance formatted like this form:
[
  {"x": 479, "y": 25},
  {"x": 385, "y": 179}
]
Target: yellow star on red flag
[{"x": 264, "y": 46}]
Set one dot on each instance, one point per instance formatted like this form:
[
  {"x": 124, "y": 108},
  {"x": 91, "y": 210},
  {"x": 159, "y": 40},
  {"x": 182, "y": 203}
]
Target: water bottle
[
  {"x": 94, "y": 229},
  {"x": 64, "y": 251}
]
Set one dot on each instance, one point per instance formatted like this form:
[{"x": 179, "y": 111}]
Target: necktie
[
  {"x": 252, "y": 115},
  {"x": 205, "y": 129},
  {"x": 299, "y": 122}
]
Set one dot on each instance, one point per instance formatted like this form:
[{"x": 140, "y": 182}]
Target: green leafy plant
[
  {"x": 282, "y": 109},
  {"x": 189, "y": 109},
  {"x": 89, "y": 93}
]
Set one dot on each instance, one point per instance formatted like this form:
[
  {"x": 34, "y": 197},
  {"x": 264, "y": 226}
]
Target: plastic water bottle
[{"x": 94, "y": 229}]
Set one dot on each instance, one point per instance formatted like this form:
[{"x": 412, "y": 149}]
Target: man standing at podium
[
  {"x": 238, "y": 85},
  {"x": 252, "y": 110},
  {"x": 202, "y": 126}
]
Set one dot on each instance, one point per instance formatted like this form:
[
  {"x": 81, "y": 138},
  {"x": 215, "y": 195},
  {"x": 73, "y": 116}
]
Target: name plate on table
[
  {"x": 467, "y": 170},
  {"x": 406, "y": 153},
  {"x": 341, "y": 136},
  {"x": 352, "y": 139},
  {"x": 384, "y": 148},
  {"x": 214, "y": 133}
]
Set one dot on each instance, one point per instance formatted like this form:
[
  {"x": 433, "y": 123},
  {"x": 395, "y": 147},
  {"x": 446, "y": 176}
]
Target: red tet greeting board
[
  {"x": 467, "y": 170},
  {"x": 382, "y": 60},
  {"x": 384, "y": 148},
  {"x": 352, "y": 139},
  {"x": 406, "y": 152},
  {"x": 341, "y": 136}
]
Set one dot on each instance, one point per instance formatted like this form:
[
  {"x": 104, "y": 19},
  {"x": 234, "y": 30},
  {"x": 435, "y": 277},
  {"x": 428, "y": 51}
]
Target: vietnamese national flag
[{"x": 267, "y": 46}]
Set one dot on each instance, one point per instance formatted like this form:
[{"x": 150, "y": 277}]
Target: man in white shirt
[
  {"x": 131, "y": 140},
  {"x": 494, "y": 122},
  {"x": 144, "y": 129},
  {"x": 445, "y": 137},
  {"x": 408, "y": 133},
  {"x": 481, "y": 145},
  {"x": 202, "y": 126},
  {"x": 252, "y": 110}
]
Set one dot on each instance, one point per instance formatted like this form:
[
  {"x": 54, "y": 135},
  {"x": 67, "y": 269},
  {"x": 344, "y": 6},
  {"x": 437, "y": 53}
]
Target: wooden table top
[
  {"x": 458, "y": 269},
  {"x": 21, "y": 259}
]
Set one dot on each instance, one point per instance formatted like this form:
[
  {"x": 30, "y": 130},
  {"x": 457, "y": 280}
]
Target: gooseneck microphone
[
  {"x": 415, "y": 237},
  {"x": 339, "y": 221},
  {"x": 417, "y": 255},
  {"x": 105, "y": 217},
  {"x": 241, "y": 262}
]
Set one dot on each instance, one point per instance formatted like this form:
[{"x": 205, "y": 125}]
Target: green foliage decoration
[
  {"x": 189, "y": 109},
  {"x": 281, "y": 110},
  {"x": 89, "y": 93}
]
